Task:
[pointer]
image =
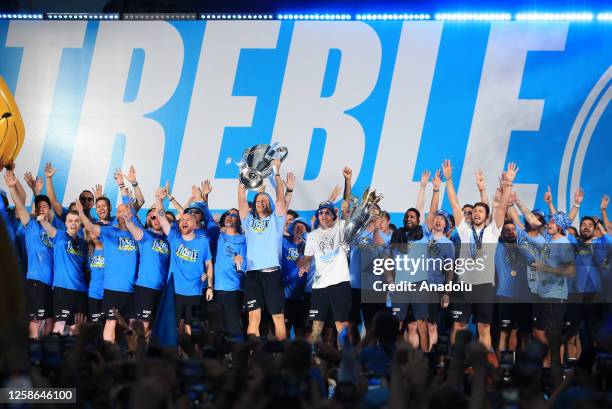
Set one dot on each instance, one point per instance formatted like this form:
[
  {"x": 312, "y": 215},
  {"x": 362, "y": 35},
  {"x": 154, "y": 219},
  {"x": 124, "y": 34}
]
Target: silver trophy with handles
[
  {"x": 359, "y": 217},
  {"x": 257, "y": 163}
]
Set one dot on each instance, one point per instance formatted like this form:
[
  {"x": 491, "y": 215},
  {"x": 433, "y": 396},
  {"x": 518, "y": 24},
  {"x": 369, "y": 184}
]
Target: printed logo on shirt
[
  {"x": 365, "y": 241},
  {"x": 96, "y": 262},
  {"x": 160, "y": 246},
  {"x": 259, "y": 225},
  {"x": 292, "y": 254},
  {"x": 187, "y": 254},
  {"x": 71, "y": 249},
  {"x": 327, "y": 248},
  {"x": 126, "y": 244},
  {"x": 46, "y": 240}
]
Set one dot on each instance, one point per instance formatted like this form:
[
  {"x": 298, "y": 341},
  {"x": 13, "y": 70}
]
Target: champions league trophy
[
  {"x": 359, "y": 217},
  {"x": 256, "y": 163}
]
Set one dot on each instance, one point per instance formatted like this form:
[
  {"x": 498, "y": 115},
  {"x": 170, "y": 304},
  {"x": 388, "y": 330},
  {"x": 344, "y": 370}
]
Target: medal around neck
[
  {"x": 257, "y": 163},
  {"x": 359, "y": 217}
]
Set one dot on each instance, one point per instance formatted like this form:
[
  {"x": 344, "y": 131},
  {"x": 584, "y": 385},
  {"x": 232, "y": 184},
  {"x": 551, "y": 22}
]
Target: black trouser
[{"x": 230, "y": 303}]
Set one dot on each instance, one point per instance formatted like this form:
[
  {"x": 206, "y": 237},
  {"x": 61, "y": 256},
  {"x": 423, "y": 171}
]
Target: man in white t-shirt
[
  {"x": 331, "y": 289},
  {"x": 478, "y": 242}
]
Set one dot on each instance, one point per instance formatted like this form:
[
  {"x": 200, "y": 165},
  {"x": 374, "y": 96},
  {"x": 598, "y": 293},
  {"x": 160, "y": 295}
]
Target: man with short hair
[
  {"x": 291, "y": 216},
  {"x": 331, "y": 289},
  {"x": 69, "y": 285},
  {"x": 263, "y": 283},
  {"x": 296, "y": 311},
  {"x": 190, "y": 262},
  {"x": 120, "y": 267},
  {"x": 39, "y": 248},
  {"x": 478, "y": 242},
  {"x": 154, "y": 260}
]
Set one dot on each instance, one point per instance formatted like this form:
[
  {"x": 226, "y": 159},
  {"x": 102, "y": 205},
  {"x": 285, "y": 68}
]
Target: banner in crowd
[{"x": 182, "y": 100}]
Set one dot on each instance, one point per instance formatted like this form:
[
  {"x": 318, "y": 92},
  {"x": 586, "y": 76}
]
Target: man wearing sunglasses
[
  {"x": 152, "y": 266},
  {"x": 263, "y": 283},
  {"x": 331, "y": 289}
]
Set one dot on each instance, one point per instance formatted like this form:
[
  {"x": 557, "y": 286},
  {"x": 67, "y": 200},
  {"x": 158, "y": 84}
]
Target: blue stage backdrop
[{"x": 389, "y": 99}]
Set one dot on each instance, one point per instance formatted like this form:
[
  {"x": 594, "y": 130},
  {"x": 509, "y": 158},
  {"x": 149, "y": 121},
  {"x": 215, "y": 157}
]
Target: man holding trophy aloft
[{"x": 263, "y": 229}]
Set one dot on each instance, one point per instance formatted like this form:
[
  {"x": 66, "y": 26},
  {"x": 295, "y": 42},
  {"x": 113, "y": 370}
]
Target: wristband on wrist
[
  {"x": 577, "y": 206},
  {"x": 122, "y": 186},
  {"x": 289, "y": 190},
  {"x": 436, "y": 190},
  {"x": 134, "y": 184},
  {"x": 170, "y": 198}
]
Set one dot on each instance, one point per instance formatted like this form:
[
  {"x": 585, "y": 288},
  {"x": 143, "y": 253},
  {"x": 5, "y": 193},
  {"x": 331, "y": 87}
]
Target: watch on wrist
[{"x": 134, "y": 184}]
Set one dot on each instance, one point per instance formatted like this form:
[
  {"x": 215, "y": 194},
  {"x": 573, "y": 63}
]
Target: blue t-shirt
[
  {"x": 358, "y": 257},
  {"x": 264, "y": 240},
  {"x": 589, "y": 269},
  {"x": 438, "y": 252},
  {"x": 415, "y": 268},
  {"x": 69, "y": 257},
  {"x": 292, "y": 282},
  {"x": 530, "y": 248},
  {"x": 511, "y": 269},
  {"x": 96, "y": 269},
  {"x": 187, "y": 262},
  {"x": 120, "y": 259},
  {"x": 39, "y": 248},
  {"x": 554, "y": 253},
  {"x": 227, "y": 277},
  {"x": 154, "y": 260}
]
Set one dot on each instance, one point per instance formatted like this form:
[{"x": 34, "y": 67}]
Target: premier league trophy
[
  {"x": 11, "y": 126},
  {"x": 256, "y": 163},
  {"x": 359, "y": 217}
]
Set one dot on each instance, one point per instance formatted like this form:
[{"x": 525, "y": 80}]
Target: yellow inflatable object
[{"x": 12, "y": 130}]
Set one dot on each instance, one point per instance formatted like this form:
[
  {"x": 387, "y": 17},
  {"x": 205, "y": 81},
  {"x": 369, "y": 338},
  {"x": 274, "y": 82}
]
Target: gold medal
[{"x": 513, "y": 273}]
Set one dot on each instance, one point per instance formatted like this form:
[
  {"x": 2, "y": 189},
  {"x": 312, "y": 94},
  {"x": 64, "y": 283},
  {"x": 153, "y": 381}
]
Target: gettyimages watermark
[{"x": 522, "y": 272}]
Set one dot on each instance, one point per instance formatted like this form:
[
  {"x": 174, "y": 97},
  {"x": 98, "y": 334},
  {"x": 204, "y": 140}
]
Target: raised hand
[
  {"x": 10, "y": 179},
  {"x": 425, "y": 178},
  {"x": 35, "y": 184},
  {"x": 437, "y": 180},
  {"x": 79, "y": 206},
  {"x": 206, "y": 187},
  {"x": 548, "y": 198},
  {"x": 196, "y": 193},
  {"x": 160, "y": 193},
  {"x": 480, "y": 180},
  {"x": 97, "y": 191},
  {"x": 604, "y": 202},
  {"x": 578, "y": 196},
  {"x": 166, "y": 188},
  {"x": 290, "y": 182},
  {"x": 347, "y": 172},
  {"x": 118, "y": 176},
  {"x": 41, "y": 217},
  {"x": 49, "y": 170},
  {"x": 509, "y": 175},
  {"x": 131, "y": 176},
  {"x": 497, "y": 197},
  {"x": 447, "y": 169}
]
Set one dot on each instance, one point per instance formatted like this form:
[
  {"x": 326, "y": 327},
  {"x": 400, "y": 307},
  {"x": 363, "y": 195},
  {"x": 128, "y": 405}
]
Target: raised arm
[
  {"x": 281, "y": 205},
  {"x": 51, "y": 231},
  {"x": 435, "y": 199},
  {"x": 20, "y": 211},
  {"x": 447, "y": 171},
  {"x": 548, "y": 198},
  {"x": 35, "y": 184},
  {"x": 159, "y": 205},
  {"x": 131, "y": 177},
  {"x": 290, "y": 185},
  {"x": 243, "y": 205},
  {"x": 420, "y": 201},
  {"x": 87, "y": 224},
  {"x": 55, "y": 204},
  {"x": 529, "y": 216},
  {"x": 604, "y": 213},
  {"x": 172, "y": 199},
  {"x": 507, "y": 179},
  {"x": 512, "y": 211},
  {"x": 348, "y": 176},
  {"x": 134, "y": 229},
  {"x": 480, "y": 183},
  {"x": 333, "y": 196},
  {"x": 578, "y": 198}
]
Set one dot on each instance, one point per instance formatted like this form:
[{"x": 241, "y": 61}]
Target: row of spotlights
[{"x": 607, "y": 16}]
